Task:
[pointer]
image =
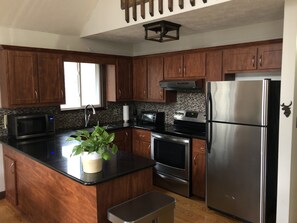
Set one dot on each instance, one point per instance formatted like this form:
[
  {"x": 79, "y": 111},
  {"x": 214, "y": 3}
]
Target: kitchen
[{"x": 266, "y": 30}]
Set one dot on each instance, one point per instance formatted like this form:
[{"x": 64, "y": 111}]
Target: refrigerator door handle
[{"x": 209, "y": 122}]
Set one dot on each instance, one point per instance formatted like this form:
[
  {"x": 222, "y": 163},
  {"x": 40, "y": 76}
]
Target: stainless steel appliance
[
  {"x": 172, "y": 156},
  {"x": 242, "y": 144},
  {"x": 30, "y": 126},
  {"x": 171, "y": 149}
]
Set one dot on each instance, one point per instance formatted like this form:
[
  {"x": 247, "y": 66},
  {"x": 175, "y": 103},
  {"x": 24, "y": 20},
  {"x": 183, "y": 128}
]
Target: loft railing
[{"x": 127, "y": 4}]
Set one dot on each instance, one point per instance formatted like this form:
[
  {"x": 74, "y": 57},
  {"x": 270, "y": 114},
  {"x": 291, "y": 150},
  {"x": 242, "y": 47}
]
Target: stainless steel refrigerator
[{"x": 242, "y": 145}]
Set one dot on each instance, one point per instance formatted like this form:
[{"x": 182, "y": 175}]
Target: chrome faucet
[{"x": 87, "y": 116}]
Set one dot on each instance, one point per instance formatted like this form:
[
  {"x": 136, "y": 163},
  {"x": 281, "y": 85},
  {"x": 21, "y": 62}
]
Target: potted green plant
[{"x": 93, "y": 147}]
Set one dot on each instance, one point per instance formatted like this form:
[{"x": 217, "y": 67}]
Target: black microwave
[
  {"x": 30, "y": 126},
  {"x": 152, "y": 118}
]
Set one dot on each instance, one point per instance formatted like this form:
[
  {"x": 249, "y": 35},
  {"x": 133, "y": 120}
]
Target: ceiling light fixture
[{"x": 162, "y": 31}]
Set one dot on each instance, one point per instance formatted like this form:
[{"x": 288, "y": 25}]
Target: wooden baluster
[
  {"x": 181, "y": 4},
  {"x": 151, "y": 3},
  {"x": 192, "y": 2},
  {"x": 127, "y": 16},
  {"x": 142, "y": 7},
  {"x": 161, "y": 6},
  {"x": 134, "y": 10},
  {"x": 170, "y": 5}
]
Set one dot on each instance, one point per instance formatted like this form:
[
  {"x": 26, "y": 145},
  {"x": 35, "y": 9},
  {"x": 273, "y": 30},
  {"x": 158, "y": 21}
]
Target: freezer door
[
  {"x": 236, "y": 170},
  {"x": 238, "y": 102}
]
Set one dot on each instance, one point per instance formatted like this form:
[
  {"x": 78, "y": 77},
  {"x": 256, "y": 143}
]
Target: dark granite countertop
[
  {"x": 54, "y": 152},
  {"x": 167, "y": 129}
]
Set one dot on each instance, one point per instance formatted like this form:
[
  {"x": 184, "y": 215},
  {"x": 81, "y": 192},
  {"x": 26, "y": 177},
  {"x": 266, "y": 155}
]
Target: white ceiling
[{"x": 68, "y": 17}]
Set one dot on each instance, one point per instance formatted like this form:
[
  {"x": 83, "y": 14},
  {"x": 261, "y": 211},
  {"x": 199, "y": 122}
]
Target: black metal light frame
[{"x": 162, "y": 31}]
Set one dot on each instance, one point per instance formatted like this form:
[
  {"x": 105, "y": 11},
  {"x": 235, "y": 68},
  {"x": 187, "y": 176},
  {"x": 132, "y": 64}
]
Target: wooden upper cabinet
[
  {"x": 155, "y": 75},
  {"x": 214, "y": 65},
  {"x": 184, "y": 66},
  {"x": 140, "y": 79},
  {"x": 253, "y": 58},
  {"x": 240, "y": 59},
  {"x": 270, "y": 56},
  {"x": 194, "y": 65},
  {"x": 147, "y": 73},
  {"x": 198, "y": 167},
  {"x": 119, "y": 83},
  {"x": 124, "y": 79},
  {"x": 30, "y": 78},
  {"x": 50, "y": 78},
  {"x": 173, "y": 65},
  {"x": 22, "y": 78}
]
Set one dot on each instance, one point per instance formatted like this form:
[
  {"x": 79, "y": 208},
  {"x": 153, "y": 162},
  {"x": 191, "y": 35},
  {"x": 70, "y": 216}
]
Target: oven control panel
[{"x": 190, "y": 116}]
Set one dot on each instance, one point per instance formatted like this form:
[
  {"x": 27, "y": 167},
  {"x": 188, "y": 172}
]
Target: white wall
[
  {"x": 20, "y": 37},
  {"x": 248, "y": 33},
  {"x": 287, "y": 175},
  {"x": 2, "y": 185}
]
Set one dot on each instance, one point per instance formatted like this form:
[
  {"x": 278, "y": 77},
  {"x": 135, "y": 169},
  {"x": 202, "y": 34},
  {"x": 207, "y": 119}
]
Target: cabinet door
[
  {"x": 173, "y": 65},
  {"x": 198, "y": 167},
  {"x": 23, "y": 79},
  {"x": 240, "y": 59},
  {"x": 155, "y": 75},
  {"x": 124, "y": 79},
  {"x": 51, "y": 79},
  {"x": 123, "y": 139},
  {"x": 10, "y": 180},
  {"x": 139, "y": 79},
  {"x": 214, "y": 65},
  {"x": 270, "y": 56},
  {"x": 141, "y": 143},
  {"x": 194, "y": 65}
]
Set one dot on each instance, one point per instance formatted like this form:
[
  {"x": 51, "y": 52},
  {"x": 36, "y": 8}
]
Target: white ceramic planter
[{"x": 92, "y": 162}]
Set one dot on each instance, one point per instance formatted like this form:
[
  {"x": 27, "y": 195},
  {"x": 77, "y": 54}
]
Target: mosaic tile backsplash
[{"x": 186, "y": 100}]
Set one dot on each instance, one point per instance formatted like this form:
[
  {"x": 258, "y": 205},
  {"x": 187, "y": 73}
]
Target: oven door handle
[{"x": 174, "y": 179}]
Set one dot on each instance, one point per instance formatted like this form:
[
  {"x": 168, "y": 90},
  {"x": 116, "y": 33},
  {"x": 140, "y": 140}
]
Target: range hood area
[{"x": 182, "y": 84}]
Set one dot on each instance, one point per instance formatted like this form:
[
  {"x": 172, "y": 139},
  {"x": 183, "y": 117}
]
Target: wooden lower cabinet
[
  {"x": 141, "y": 143},
  {"x": 123, "y": 139},
  {"x": 198, "y": 167},
  {"x": 10, "y": 180}
]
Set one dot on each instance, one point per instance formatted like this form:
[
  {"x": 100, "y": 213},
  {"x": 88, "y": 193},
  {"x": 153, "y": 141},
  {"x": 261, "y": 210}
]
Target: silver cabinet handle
[
  {"x": 120, "y": 92},
  {"x": 12, "y": 168},
  {"x": 260, "y": 61},
  {"x": 36, "y": 94},
  {"x": 194, "y": 161},
  {"x": 62, "y": 93},
  {"x": 253, "y": 61}
]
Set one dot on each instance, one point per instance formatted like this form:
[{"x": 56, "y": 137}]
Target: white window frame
[{"x": 79, "y": 81}]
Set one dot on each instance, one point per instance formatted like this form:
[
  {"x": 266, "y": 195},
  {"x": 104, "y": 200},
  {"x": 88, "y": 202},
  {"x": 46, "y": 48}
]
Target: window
[{"x": 83, "y": 85}]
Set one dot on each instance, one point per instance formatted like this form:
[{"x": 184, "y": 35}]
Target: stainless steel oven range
[
  {"x": 171, "y": 149},
  {"x": 172, "y": 156}
]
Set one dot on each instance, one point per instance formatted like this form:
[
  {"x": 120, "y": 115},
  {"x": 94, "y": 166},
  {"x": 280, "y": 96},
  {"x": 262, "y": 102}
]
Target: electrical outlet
[{"x": 5, "y": 121}]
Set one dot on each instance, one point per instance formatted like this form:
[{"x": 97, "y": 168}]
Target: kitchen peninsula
[{"x": 47, "y": 185}]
